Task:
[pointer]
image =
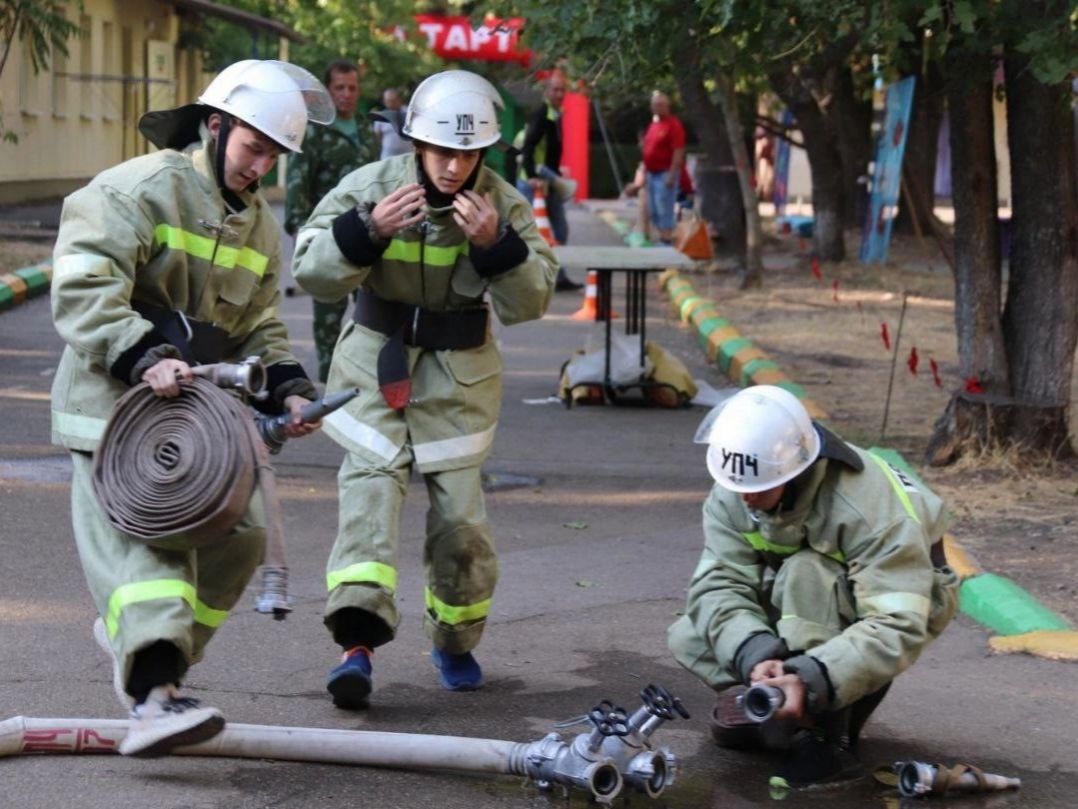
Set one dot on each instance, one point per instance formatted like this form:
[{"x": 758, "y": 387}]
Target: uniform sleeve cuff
[
  {"x": 505, "y": 254},
  {"x": 284, "y": 379},
  {"x": 820, "y": 694},
  {"x": 756, "y": 649},
  {"x": 351, "y": 231},
  {"x": 125, "y": 365}
]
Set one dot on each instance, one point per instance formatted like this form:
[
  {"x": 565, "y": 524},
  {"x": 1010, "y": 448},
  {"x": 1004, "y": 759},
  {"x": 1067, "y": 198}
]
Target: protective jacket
[
  {"x": 155, "y": 232},
  {"x": 864, "y": 514},
  {"x": 456, "y": 394}
]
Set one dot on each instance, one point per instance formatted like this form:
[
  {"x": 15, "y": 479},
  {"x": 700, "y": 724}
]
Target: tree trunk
[
  {"x": 752, "y": 274},
  {"x": 853, "y": 125},
  {"x": 1040, "y": 320},
  {"x": 825, "y": 163},
  {"x": 717, "y": 186},
  {"x": 972, "y": 419}
]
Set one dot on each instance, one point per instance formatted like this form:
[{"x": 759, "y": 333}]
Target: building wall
[{"x": 80, "y": 116}]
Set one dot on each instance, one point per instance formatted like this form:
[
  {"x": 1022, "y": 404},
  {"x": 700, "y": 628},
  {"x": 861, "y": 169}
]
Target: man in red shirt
[{"x": 664, "y": 155}]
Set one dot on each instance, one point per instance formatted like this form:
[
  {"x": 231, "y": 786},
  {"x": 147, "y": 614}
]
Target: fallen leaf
[
  {"x": 578, "y": 526},
  {"x": 585, "y": 583}
]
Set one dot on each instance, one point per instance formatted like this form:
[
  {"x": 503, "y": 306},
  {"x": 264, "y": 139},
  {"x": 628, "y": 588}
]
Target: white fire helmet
[
  {"x": 276, "y": 98},
  {"x": 759, "y": 438},
  {"x": 455, "y": 109}
]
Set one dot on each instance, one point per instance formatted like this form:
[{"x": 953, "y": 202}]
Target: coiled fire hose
[{"x": 180, "y": 471}]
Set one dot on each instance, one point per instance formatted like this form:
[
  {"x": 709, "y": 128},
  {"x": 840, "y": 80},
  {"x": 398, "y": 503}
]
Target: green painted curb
[
  {"x": 705, "y": 327},
  {"x": 1004, "y": 607},
  {"x": 794, "y": 388},
  {"x": 727, "y": 350},
  {"x": 37, "y": 283},
  {"x": 752, "y": 366},
  {"x": 7, "y": 297}
]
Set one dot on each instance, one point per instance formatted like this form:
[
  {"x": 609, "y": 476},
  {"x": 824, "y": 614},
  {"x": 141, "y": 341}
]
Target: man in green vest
[
  {"x": 823, "y": 575},
  {"x": 423, "y": 239}
]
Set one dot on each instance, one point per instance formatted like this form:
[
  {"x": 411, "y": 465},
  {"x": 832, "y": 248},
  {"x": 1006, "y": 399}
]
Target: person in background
[
  {"x": 166, "y": 261},
  {"x": 540, "y": 165},
  {"x": 823, "y": 575},
  {"x": 388, "y": 123},
  {"x": 664, "y": 156},
  {"x": 329, "y": 153}
]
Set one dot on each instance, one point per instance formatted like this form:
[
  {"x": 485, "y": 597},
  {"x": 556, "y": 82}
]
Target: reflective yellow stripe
[
  {"x": 897, "y": 486},
  {"x": 890, "y": 603},
  {"x": 756, "y": 539},
  {"x": 448, "y": 614},
  {"x": 203, "y": 247},
  {"x": 138, "y": 592},
  {"x": 245, "y": 257},
  {"x": 433, "y": 256},
  {"x": 363, "y": 572}
]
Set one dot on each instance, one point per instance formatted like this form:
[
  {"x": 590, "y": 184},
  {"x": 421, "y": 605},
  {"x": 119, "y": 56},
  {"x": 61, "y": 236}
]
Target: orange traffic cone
[
  {"x": 541, "y": 220},
  {"x": 590, "y": 309}
]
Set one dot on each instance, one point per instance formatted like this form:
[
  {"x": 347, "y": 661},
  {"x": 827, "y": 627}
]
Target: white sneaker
[
  {"x": 127, "y": 702},
  {"x": 167, "y": 720}
]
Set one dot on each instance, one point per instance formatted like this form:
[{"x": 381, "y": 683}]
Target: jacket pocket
[
  {"x": 472, "y": 366},
  {"x": 466, "y": 282}
]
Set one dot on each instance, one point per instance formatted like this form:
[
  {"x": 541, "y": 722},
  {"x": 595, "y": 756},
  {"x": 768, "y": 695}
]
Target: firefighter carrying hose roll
[
  {"x": 162, "y": 262},
  {"x": 423, "y": 238}
]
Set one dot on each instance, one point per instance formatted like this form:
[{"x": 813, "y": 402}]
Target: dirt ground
[
  {"x": 14, "y": 255},
  {"x": 1017, "y": 520}
]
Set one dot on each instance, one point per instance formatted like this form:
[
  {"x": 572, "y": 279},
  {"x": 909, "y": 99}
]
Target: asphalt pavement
[{"x": 594, "y": 558}]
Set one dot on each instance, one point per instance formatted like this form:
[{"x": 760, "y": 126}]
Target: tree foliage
[{"x": 42, "y": 27}]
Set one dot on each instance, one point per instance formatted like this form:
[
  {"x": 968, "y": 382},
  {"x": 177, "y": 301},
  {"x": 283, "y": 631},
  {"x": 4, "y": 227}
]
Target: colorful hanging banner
[
  {"x": 887, "y": 177},
  {"x": 496, "y": 40}
]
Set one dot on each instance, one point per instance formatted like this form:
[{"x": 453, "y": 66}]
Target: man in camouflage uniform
[{"x": 329, "y": 153}]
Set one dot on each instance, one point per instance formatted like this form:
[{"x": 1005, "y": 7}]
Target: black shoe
[
  {"x": 813, "y": 761},
  {"x": 566, "y": 284}
]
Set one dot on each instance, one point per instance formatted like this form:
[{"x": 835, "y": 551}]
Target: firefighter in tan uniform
[
  {"x": 162, "y": 262},
  {"x": 424, "y": 238},
  {"x": 822, "y": 574}
]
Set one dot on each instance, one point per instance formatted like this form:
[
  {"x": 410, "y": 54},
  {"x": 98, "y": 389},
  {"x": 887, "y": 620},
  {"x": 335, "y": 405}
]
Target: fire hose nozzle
[
  {"x": 761, "y": 701},
  {"x": 248, "y": 376},
  {"x": 272, "y": 428},
  {"x": 916, "y": 779}
]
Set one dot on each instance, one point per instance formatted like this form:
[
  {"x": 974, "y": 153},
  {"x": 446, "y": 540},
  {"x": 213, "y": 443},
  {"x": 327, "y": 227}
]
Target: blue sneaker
[
  {"x": 457, "y": 672},
  {"x": 350, "y": 681}
]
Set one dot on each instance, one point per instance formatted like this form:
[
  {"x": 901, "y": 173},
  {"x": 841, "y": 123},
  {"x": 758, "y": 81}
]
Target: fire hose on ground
[
  {"x": 618, "y": 749},
  {"x": 187, "y": 465}
]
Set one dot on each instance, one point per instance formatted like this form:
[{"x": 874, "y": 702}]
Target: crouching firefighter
[
  {"x": 822, "y": 576},
  {"x": 162, "y": 262},
  {"x": 423, "y": 238}
]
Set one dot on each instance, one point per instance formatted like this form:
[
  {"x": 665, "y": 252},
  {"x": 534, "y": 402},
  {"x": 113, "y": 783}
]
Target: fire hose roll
[{"x": 177, "y": 472}]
